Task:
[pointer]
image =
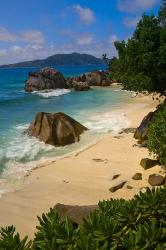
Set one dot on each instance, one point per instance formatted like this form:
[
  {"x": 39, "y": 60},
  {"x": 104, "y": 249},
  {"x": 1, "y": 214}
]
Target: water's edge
[{"x": 15, "y": 182}]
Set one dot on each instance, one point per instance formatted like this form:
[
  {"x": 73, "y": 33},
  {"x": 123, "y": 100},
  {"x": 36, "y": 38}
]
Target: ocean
[{"x": 98, "y": 109}]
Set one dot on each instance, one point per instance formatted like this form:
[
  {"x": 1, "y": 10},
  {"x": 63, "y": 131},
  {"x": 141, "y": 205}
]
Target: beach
[{"x": 81, "y": 178}]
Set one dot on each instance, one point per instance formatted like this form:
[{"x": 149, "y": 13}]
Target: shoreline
[
  {"x": 78, "y": 178},
  {"x": 13, "y": 181}
]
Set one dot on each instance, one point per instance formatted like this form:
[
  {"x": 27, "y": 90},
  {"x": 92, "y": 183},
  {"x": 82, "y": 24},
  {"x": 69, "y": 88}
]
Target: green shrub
[
  {"x": 10, "y": 240},
  {"x": 54, "y": 233},
  {"x": 118, "y": 224},
  {"x": 137, "y": 82},
  {"x": 140, "y": 64},
  {"x": 157, "y": 135},
  {"x": 137, "y": 224}
]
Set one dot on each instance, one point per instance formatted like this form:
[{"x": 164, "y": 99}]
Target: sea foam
[
  {"x": 113, "y": 122},
  {"x": 52, "y": 92}
]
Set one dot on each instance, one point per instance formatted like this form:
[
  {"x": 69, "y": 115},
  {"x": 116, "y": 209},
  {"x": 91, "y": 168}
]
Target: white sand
[{"x": 78, "y": 179}]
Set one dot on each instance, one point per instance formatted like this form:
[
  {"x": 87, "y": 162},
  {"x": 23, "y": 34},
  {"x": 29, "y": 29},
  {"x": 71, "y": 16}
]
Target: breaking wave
[{"x": 52, "y": 93}]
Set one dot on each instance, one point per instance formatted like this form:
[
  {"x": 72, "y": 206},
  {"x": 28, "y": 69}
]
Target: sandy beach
[{"x": 82, "y": 178}]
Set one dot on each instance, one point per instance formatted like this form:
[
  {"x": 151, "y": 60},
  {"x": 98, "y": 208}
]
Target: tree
[
  {"x": 162, "y": 14},
  {"x": 106, "y": 59},
  {"x": 157, "y": 135},
  {"x": 141, "y": 62}
]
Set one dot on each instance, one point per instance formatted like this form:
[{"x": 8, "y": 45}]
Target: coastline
[{"x": 78, "y": 178}]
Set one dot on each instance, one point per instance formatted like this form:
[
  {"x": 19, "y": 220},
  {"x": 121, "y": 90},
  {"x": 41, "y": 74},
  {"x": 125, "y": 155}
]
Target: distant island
[{"x": 58, "y": 59}]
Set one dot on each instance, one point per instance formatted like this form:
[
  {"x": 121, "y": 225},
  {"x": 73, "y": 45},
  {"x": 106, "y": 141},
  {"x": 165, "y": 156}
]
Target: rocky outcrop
[
  {"x": 156, "y": 180},
  {"x": 57, "y": 129},
  {"x": 78, "y": 83},
  {"x": 77, "y": 79},
  {"x": 96, "y": 78},
  {"x": 81, "y": 86},
  {"x": 117, "y": 187},
  {"x": 76, "y": 214},
  {"x": 147, "y": 163},
  {"x": 49, "y": 78},
  {"x": 46, "y": 78},
  {"x": 137, "y": 177},
  {"x": 141, "y": 131}
]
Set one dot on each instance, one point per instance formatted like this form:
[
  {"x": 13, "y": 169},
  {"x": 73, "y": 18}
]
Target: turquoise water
[{"x": 97, "y": 109}]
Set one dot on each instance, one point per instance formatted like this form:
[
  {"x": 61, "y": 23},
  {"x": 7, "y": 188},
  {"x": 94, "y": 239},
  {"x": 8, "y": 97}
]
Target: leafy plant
[
  {"x": 137, "y": 224},
  {"x": 10, "y": 240},
  {"x": 141, "y": 60},
  {"x": 157, "y": 135},
  {"x": 54, "y": 233}
]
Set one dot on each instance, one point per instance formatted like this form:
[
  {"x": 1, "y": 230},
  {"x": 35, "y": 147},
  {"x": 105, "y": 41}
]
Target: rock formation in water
[
  {"x": 57, "y": 129},
  {"x": 46, "y": 78},
  {"x": 96, "y": 78},
  {"x": 49, "y": 78}
]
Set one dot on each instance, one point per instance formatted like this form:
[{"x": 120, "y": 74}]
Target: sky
[{"x": 36, "y": 29}]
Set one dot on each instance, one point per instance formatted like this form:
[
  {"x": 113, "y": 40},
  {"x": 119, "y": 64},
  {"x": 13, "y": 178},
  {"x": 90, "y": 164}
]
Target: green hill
[{"x": 59, "y": 59}]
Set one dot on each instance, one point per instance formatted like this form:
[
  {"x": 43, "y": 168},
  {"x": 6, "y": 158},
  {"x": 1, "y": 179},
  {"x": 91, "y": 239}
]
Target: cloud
[
  {"x": 132, "y": 6},
  {"x": 86, "y": 15},
  {"x": 6, "y": 36},
  {"x": 32, "y": 36},
  {"x": 19, "y": 53},
  {"x": 77, "y": 42},
  {"x": 78, "y": 38},
  {"x": 16, "y": 49},
  {"x": 29, "y": 36},
  {"x": 131, "y": 22},
  {"x": 85, "y": 39},
  {"x": 3, "y": 52},
  {"x": 112, "y": 39}
]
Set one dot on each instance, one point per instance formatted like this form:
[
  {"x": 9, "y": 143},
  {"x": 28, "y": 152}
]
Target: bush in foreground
[
  {"x": 157, "y": 135},
  {"x": 139, "y": 223}
]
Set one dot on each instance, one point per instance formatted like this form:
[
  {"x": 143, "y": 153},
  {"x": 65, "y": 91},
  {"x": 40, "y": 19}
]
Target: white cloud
[
  {"x": 86, "y": 15},
  {"x": 19, "y": 53},
  {"x": 112, "y": 39},
  {"x": 131, "y": 22},
  {"x": 16, "y": 49},
  {"x": 85, "y": 39},
  {"x": 3, "y": 52},
  {"x": 6, "y": 36},
  {"x": 132, "y": 6},
  {"x": 78, "y": 38},
  {"x": 81, "y": 43},
  {"x": 33, "y": 36},
  {"x": 30, "y": 36}
]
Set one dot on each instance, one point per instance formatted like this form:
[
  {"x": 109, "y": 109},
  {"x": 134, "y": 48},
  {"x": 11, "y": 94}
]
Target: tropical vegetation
[
  {"x": 141, "y": 62},
  {"x": 137, "y": 224},
  {"x": 157, "y": 134}
]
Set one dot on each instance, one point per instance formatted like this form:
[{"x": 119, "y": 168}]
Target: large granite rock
[
  {"x": 81, "y": 86},
  {"x": 75, "y": 213},
  {"x": 57, "y": 129},
  {"x": 141, "y": 131},
  {"x": 46, "y": 78},
  {"x": 147, "y": 163},
  {"x": 98, "y": 78},
  {"x": 156, "y": 180},
  {"x": 76, "y": 79}
]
